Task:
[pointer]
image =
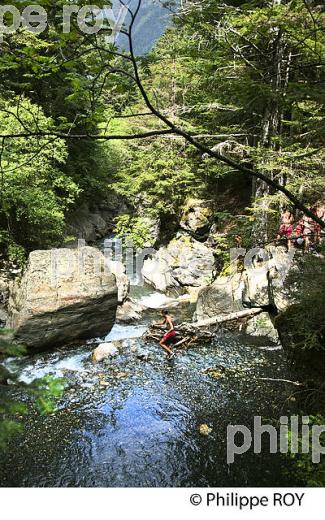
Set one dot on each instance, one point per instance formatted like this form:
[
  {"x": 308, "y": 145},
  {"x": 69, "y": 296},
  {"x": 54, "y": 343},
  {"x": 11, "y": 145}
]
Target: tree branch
[
  {"x": 172, "y": 128},
  {"x": 153, "y": 133},
  {"x": 205, "y": 149}
]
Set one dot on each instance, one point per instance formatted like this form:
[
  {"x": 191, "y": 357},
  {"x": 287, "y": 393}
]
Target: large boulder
[
  {"x": 267, "y": 283},
  {"x": 185, "y": 262},
  {"x": 263, "y": 284},
  {"x": 262, "y": 325},
  {"x": 157, "y": 272},
  {"x": 122, "y": 280},
  {"x": 282, "y": 291},
  {"x": 63, "y": 296},
  {"x": 224, "y": 296},
  {"x": 196, "y": 216},
  {"x": 256, "y": 293}
]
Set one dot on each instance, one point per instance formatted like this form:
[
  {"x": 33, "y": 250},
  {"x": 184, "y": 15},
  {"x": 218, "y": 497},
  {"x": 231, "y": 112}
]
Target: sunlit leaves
[{"x": 34, "y": 191}]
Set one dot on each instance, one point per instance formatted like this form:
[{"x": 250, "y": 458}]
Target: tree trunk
[
  {"x": 272, "y": 127},
  {"x": 219, "y": 319}
]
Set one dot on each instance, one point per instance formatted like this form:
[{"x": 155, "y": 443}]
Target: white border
[{"x": 146, "y": 504}]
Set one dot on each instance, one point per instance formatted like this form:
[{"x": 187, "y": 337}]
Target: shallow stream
[{"x": 134, "y": 422}]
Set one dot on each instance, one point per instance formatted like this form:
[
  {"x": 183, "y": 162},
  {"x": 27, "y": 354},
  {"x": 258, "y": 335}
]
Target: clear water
[{"x": 142, "y": 427}]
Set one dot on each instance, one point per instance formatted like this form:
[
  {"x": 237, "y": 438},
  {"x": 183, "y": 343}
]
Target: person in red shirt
[
  {"x": 170, "y": 334},
  {"x": 286, "y": 228},
  {"x": 300, "y": 230}
]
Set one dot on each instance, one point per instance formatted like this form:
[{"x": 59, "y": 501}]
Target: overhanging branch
[
  {"x": 205, "y": 149},
  {"x": 144, "y": 135},
  {"x": 172, "y": 129}
]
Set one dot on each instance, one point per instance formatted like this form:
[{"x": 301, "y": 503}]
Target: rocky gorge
[
  {"x": 84, "y": 320},
  {"x": 73, "y": 294},
  {"x": 162, "y": 247}
]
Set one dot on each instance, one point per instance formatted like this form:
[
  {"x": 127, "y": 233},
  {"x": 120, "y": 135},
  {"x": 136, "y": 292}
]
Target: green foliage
[
  {"x": 313, "y": 475},
  {"x": 34, "y": 191},
  {"x": 243, "y": 228},
  {"x": 134, "y": 229},
  {"x": 10, "y": 250},
  {"x": 221, "y": 251},
  {"x": 222, "y": 216},
  {"x": 50, "y": 82},
  {"x": 8, "y": 429},
  {"x": 157, "y": 178},
  {"x": 16, "y": 254},
  {"x": 303, "y": 322},
  {"x": 44, "y": 392},
  {"x": 252, "y": 73},
  {"x": 7, "y": 347}
]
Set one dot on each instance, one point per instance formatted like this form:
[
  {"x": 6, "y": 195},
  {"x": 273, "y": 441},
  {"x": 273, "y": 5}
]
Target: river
[{"x": 131, "y": 422}]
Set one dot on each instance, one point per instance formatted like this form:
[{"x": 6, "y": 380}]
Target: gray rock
[
  {"x": 143, "y": 355},
  {"x": 63, "y": 296},
  {"x": 157, "y": 272},
  {"x": 261, "y": 285},
  {"x": 282, "y": 292},
  {"x": 267, "y": 283},
  {"x": 81, "y": 224},
  {"x": 196, "y": 216},
  {"x": 256, "y": 293},
  {"x": 4, "y": 287},
  {"x": 93, "y": 224},
  {"x": 122, "y": 281},
  {"x": 100, "y": 226},
  {"x": 104, "y": 351},
  {"x": 3, "y": 316},
  {"x": 262, "y": 325},
  {"x": 184, "y": 262},
  {"x": 224, "y": 296},
  {"x": 129, "y": 311}
]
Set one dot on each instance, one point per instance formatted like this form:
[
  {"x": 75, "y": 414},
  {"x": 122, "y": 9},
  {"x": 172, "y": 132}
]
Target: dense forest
[{"x": 228, "y": 105}]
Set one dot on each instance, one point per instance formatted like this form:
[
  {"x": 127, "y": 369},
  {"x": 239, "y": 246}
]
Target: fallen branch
[
  {"x": 198, "y": 332},
  {"x": 183, "y": 341},
  {"x": 296, "y": 383},
  {"x": 217, "y": 320}
]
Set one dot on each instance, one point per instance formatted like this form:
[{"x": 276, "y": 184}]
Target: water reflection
[{"x": 142, "y": 428}]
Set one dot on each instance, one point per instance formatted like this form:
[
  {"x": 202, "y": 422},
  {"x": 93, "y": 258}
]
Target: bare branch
[
  {"x": 172, "y": 129},
  {"x": 205, "y": 149},
  {"x": 37, "y": 152},
  {"x": 98, "y": 137},
  {"x": 128, "y": 116}
]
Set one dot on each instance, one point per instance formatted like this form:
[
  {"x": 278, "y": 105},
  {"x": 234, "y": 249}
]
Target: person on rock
[
  {"x": 286, "y": 228},
  {"x": 299, "y": 232},
  {"x": 320, "y": 212},
  {"x": 170, "y": 335}
]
